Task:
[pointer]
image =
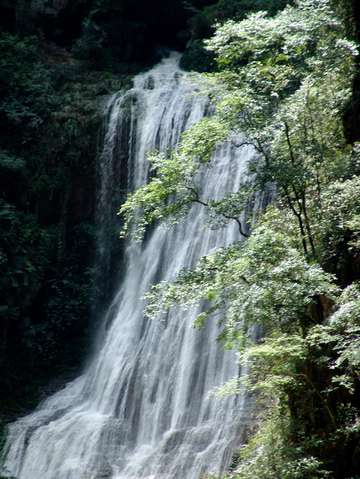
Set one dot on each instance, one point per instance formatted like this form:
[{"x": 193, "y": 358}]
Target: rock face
[
  {"x": 130, "y": 32},
  {"x": 58, "y": 19},
  {"x": 30, "y": 13},
  {"x": 52, "y": 7}
]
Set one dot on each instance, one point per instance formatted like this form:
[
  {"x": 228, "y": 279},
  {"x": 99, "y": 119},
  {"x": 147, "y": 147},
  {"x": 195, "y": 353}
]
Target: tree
[{"x": 284, "y": 82}]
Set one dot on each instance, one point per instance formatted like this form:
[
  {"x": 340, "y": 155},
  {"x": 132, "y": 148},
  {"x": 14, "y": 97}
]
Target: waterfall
[{"x": 143, "y": 408}]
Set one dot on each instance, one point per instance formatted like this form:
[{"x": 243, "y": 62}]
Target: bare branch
[{"x": 197, "y": 199}]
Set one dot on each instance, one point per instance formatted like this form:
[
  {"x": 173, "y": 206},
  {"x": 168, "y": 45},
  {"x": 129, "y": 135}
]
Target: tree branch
[{"x": 197, "y": 199}]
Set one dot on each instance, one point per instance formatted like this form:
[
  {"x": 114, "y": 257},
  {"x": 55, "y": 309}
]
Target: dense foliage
[
  {"x": 202, "y": 24},
  {"x": 285, "y": 82},
  {"x": 49, "y": 119}
]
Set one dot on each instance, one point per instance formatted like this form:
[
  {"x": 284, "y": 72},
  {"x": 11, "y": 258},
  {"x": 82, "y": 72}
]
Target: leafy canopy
[{"x": 283, "y": 83}]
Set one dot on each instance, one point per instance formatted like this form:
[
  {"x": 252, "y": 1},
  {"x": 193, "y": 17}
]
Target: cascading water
[{"x": 142, "y": 408}]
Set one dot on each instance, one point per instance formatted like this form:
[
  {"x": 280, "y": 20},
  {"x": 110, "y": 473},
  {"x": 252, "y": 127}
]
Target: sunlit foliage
[{"x": 283, "y": 82}]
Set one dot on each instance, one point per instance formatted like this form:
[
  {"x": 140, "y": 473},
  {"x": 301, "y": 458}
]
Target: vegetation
[
  {"x": 49, "y": 119},
  {"x": 286, "y": 82},
  {"x": 288, "y": 79},
  {"x": 203, "y": 21}
]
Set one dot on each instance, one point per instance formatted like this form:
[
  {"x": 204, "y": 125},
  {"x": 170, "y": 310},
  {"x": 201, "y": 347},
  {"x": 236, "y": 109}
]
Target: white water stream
[{"x": 142, "y": 407}]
